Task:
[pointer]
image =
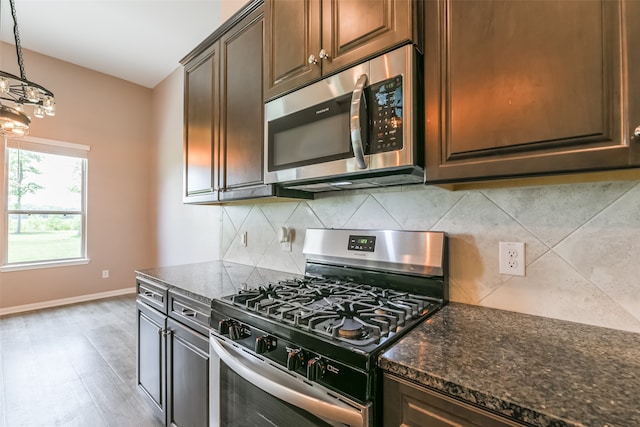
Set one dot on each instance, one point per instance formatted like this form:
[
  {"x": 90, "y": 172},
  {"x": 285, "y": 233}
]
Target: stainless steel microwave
[{"x": 354, "y": 129}]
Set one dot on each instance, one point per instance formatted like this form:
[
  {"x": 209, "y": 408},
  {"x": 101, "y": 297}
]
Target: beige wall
[{"x": 113, "y": 117}]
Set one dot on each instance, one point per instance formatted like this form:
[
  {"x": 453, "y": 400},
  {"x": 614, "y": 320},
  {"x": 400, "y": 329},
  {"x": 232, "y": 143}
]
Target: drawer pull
[{"x": 188, "y": 312}]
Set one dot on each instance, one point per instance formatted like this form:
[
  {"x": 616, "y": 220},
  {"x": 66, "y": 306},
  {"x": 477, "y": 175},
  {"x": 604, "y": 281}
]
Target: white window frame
[{"x": 45, "y": 146}]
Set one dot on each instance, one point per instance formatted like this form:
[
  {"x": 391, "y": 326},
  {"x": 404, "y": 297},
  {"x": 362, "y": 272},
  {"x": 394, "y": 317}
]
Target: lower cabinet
[
  {"x": 152, "y": 357},
  {"x": 409, "y": 405},
  {"x": 173, "y": 366},
  {"x": 187, "y": 376}
]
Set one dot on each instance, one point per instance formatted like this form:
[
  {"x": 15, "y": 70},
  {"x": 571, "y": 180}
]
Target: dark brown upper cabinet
[
  {"x": 201, "y": 124},
  {"x": 517, "y": 88},
  {"x": 241, "y": 109},
  {"x": 308, "y": 39},
  {"x": 224, "y": 115}
]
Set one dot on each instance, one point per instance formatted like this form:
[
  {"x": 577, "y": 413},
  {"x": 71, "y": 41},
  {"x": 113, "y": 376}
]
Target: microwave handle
[{"x": 354, "y": 124}]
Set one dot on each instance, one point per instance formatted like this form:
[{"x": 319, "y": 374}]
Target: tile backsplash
[{"x": 582, "y": 242}]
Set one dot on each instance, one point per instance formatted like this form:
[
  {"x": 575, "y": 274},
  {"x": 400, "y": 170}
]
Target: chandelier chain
[{"x": 16, "y": 35}]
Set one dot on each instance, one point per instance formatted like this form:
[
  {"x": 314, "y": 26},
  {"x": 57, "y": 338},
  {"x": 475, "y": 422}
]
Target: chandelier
[{"x": 16, "y": 92}]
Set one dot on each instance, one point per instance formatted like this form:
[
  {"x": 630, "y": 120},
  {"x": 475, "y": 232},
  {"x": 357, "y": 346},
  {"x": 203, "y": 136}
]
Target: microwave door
[{"x": 357, "y": 113}]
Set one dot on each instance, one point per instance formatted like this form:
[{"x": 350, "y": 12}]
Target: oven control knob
[
  {"x": 295, "y": 358},
  {"x": 237, "y": 331},
  {"x": 265, "y": 343},
  {"x": 234, "y": 329},
  {"x": 223, "y": 326},
  {"x": 315, "y": 369}
]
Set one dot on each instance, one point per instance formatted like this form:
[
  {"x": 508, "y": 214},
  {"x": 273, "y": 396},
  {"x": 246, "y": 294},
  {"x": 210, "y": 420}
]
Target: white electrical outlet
[
  {"x": 105, "y": 274},
  {"x": 512, "y": 259}
]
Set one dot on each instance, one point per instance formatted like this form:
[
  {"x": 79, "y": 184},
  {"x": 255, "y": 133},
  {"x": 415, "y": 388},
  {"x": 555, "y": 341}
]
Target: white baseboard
[{"x": 65, "y": 301}]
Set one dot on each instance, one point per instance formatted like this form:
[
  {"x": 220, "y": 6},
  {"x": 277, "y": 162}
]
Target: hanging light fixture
[{"x": 16, "y": 92}]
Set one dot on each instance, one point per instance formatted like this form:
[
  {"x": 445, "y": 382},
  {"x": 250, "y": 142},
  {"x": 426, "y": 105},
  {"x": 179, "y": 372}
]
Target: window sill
[{"x": 47, "y": 264}]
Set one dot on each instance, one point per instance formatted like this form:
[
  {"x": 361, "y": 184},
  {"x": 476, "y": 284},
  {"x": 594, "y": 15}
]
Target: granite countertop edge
[
  {"x": 177, "y": 289},
  {"x": 474, "y": 397},
  {"x": 206, "y": 281}
]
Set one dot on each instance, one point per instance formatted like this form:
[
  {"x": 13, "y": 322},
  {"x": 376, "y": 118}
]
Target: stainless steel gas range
[{"x": 302, "y": 352}]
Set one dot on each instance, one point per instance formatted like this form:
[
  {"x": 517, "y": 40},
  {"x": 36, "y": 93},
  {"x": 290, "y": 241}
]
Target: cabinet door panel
[
  {"x": 526, "y": 87},
  {"x": 201, "y": 126},
  {"x": 242, "y": 106},
  {"x": 632, "y": 12},
  {"x": 188, "y": 375},
  {"x": 514, "y": 84},
  {"x": 151, "y": 362},
  {"x": 355, "y": 29},
  {"x": 292, "y": 34}
]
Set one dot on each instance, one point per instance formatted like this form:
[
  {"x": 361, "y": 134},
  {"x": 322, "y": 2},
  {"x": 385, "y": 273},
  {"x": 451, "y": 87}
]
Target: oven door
[{"x": 247, "y": 390}]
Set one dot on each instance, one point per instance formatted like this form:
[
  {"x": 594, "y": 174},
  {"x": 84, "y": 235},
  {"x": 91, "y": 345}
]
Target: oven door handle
[
  {"x": 354, "y": 123},
  {"x": 321, "y": 408}
]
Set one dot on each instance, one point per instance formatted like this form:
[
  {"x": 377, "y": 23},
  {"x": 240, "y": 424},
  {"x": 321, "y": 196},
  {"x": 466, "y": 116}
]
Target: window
[{"x": 45, "y": 199}]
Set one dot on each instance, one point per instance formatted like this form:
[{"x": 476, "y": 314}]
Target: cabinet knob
[
  {"x": 636, "y": 132},
  {"x": 323, "y": 54},
  {"x": 312, "y": 59}
]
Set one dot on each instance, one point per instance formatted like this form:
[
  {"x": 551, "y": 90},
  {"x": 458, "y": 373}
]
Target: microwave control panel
[{"x": 386, "y": 115}]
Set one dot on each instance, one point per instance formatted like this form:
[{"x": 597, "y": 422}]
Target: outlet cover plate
[{"x": 512, "y": 258}]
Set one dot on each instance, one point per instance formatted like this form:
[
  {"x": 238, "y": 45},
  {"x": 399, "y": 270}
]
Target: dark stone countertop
[
  {"x": 541, "y": 371},
  {"x": 208, "y": 280}
]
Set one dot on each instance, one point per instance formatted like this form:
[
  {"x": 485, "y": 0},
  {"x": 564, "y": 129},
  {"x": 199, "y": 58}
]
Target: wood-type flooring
[{"x": 72, "y": 366}]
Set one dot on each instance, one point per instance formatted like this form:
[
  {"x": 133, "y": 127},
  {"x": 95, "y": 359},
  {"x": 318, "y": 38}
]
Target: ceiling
[{"x": 141, "y": 41}]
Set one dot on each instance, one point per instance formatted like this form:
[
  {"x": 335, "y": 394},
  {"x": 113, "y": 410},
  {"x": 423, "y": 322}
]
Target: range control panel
[
  {"x": 362, "y": 243},
  {"x": 386, "y": 115}
]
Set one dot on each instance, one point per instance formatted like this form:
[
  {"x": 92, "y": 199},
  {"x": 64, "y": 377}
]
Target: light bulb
[
  {"x": 38, "y": 112},
  {"x": 32, "y": 94},
  {"x": 19, "y": 132},
  {"x": 48, "y": 102},
  {"x": 4, "y": 85},
  {"x": 49, "y": 105}
]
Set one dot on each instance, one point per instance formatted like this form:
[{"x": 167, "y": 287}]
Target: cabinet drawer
[
  {"x": 410, "y": 405},
  {"x": 190, "y": 312},
  {"x": 152, "y": 294}
]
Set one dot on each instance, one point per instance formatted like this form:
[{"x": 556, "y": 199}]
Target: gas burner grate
[{"x": 345, "y": 311}]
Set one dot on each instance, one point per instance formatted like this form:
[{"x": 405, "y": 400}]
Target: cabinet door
[
  {"x": 151, "y": 357},
  {"x": 525, "y": 87},
  {"x": 242, "y": 117},
  {"x": 408, "y": 405},
  {"x": 632, "y": 13},
  {"x": 292, "y": 35},
  {"x": 201, "y": 127},
  {"x": 356, "y": 29},
  {"x": 188, "y": 376}
]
